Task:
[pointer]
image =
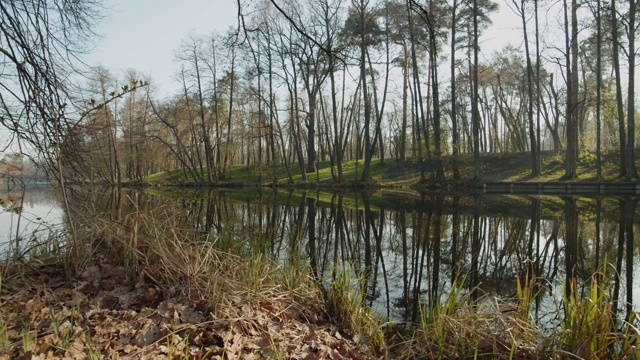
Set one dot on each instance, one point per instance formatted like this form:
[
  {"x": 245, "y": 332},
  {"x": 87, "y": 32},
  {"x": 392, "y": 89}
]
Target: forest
[
  {"x": 161, "y": 272},
  {"x": 301, "y": 81}
]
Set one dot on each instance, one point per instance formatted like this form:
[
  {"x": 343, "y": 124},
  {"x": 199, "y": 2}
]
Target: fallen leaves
[{"x": 103, "y": 313}]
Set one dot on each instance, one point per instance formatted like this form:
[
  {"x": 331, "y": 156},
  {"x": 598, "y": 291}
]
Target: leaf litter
[{"x": 105, "y": 313}]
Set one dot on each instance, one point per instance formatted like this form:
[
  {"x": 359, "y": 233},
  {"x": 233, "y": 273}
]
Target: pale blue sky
[{"x": 145, "y": 34}]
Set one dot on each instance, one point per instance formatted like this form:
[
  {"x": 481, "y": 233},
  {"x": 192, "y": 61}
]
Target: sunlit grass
[
  {"x": 590, "y": 328},
  {"x": 393, "y": 173},
  {"x": 345, "y": 301},
  {"x": 264, "y": 174}
]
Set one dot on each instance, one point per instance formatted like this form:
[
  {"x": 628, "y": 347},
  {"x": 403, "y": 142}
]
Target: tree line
[{"x": 302, "y": 81}]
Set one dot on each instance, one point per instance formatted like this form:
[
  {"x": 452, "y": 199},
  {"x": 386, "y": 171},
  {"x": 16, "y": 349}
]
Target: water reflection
[
  {"x": 410, "y": 249},
  {"x": 27, "y": 218}
]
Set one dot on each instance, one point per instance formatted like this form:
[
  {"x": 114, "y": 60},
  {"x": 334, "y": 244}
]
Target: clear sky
[{"x": 145, "y": 34}]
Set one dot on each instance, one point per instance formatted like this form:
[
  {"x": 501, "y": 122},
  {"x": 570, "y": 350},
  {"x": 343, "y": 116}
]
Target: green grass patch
[{"x": 506, "y": 167}]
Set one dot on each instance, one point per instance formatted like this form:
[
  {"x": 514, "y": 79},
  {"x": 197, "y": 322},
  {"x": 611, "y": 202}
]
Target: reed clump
[
  {"x": 345, "y": 301},
  {"x": 463, "y": 328},
  {"x": 459, "y": 327},
  {"x": 590, "y": 328}
]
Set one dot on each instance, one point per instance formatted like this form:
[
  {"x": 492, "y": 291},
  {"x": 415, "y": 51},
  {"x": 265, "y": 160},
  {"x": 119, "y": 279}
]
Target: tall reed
[{"x": 589, "y": 328}]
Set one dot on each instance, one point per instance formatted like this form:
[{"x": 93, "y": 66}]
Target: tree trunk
[
  {"x": 405, "y": 96},
  {"x": 535, "y": 171},
  {"x": 433, "y": 54},
  {"x": 366, "y": 170},
  {"x": 632, "y": 170},
  {"x": 475, "y": 114},
  {"x": 225, "y": 165},
  {"x": 598, "y": 90},
  {"x": 538, "y": 82},
  {"x": 311, "y": 133},
  {"x": 571, "y": 44},
  {"x": 455, "y": 141},
  {"x": 417, "y": 96},
  {"x": 618, "y": 76}
]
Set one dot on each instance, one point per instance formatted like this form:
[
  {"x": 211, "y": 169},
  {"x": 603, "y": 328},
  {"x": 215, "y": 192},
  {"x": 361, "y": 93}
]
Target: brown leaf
[
  {"x": 43, "y": 325},
  {"x": 151, "y": 295},
  {"x": 30, "y": 306},
  {"x": 77, "y": 349},
  {"x": 201, "y": 305},
  {"x": 312, "y": 318},
  {"x": 129, "y": 315},
  {"x": 205, "y": 337},
  {"x": 107, "y": 285},
  {"x": 26, "y": 356},
  {"x": 87, "y": 287},
  {"x": 110, "y": 302},
  {"x": 191, "y": 317},
  {"x": 91, "y": 272},
  {"x": 253, "y": 344},
  {"x": 128, "y": 349},
  {"x": 268, "y": 305}
]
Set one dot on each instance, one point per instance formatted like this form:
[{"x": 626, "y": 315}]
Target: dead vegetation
[
  {"x": 148, "y": 289},
  {"x": 103, "y": 312}
]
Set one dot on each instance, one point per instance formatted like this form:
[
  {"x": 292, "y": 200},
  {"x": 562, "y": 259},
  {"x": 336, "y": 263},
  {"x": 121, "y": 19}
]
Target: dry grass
[
  {"x": 478, "y": 331},
  {"x": 465, "y": 328},
  {"x": 145, "y": 287},
  {"x": 462, "y": 328}
]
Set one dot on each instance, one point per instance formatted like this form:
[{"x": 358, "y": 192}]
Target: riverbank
[
  {"x": 174, "y": 297},
  {"x": 105, "y": 313},
  {"x": 395, "y": 174},
  {"x": 179, "y": 299},
  {"x": 142, "y": 282}
]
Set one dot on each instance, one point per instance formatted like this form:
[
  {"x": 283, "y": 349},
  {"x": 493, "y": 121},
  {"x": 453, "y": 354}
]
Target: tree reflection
[{"x": 407, "y": 256}]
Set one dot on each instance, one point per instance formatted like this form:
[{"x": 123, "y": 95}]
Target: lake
[
  {"x": 28, "y": 218},
  {"x": 407, "y": 247}
]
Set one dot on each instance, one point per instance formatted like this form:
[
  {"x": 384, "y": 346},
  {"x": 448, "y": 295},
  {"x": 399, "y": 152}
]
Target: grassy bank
[
  {"x": 173, "y": 296},
  {"x": 137, "y": 286},
  {"x": 506, "y": 167},
  {"x": 145, "y": 288},
  {"x": 492, "y": 329}
]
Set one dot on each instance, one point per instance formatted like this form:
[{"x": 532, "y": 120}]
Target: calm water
[
  {"x": 409, "y": 248},
  {"x": 28, "y": 218}
]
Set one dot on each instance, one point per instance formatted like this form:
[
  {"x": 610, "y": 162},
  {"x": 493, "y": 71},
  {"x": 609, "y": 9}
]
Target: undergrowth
[
  {"x": 248, "y": 294},
  {"x": 460, "y": 327}
]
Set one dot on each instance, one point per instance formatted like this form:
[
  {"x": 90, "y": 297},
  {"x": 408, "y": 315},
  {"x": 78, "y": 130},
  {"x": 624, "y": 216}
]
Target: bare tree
[
  {"x": 364, "y": 27},
  {"x": 632, "y": 170},
  {"x": 40, "y": 42},
  {"x": 618, "y": 79},
  {"x": 520, "y": 9},
  {"x": 191, "y": 54}
]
